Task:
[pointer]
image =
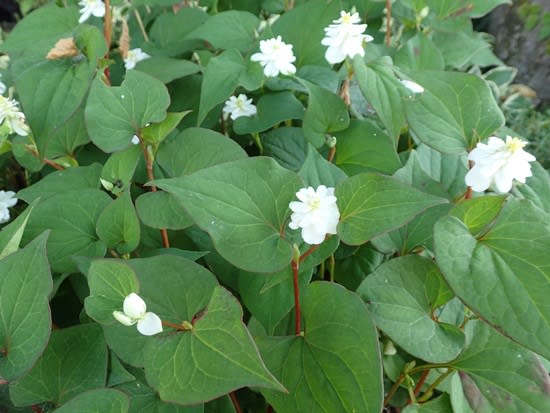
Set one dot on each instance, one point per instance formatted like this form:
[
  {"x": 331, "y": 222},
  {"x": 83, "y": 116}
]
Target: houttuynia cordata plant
[{"x": 227, "y": 206}]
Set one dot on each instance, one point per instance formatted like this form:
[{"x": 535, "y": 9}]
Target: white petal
[
  {"x": 312, "y": 236},
  {"x": 477, "y": 180},
  {"x": 503, "y": 181},
  {"x": 134, "y": 306},
  {"x": 150, "y": 324},
  {"x": 123, "y": 318}
]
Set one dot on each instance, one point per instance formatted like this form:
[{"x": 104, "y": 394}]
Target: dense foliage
[{"x": 267, "y": 206}]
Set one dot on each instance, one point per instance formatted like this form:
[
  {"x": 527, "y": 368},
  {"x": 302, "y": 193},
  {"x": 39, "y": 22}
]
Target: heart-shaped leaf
[{"x": 97, "y": 401}]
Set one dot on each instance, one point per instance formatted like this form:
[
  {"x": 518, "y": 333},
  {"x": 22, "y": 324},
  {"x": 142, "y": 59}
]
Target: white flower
[
  {"x": 317, "y": 213},
  {"x": 268, "y": 22},
  {"x": 498, "y": 163},
  {"x": 134, "y": 56},
  {"x": 412, "y": 86},
  {"x": 345, "y": 38},
  {"x": 3, "y": 87},
  {"x": 91, "y": 7},
  {"x": 235, "y": 107},
  {"x": 7, "y": 200},
  {"x": 135, "y": 309},
  {"x": 14, "y": 118},
  {"x": 275, "y": 57},
  {"x": 135, "y": 140}
]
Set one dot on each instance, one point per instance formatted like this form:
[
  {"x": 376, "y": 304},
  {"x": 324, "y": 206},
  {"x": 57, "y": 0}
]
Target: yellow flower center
[
  {"x": 315, "y": 203},
  {"x": 346, "y": 18},
  {"x": 515, "y": 144}
]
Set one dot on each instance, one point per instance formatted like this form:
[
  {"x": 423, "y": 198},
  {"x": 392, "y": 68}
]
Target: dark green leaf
[
  {"x": 25, "y": 284},
  {"x": 316, "y": 170},
  {"x": 97, "y": 401},
  {"x": 162, "y": 210}
]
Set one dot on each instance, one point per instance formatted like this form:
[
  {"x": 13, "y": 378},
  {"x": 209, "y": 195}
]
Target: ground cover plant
[{"x": 267, "y": 206}]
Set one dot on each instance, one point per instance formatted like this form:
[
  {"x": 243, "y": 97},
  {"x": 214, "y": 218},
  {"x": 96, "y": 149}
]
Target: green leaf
[
  {"x": 118, "y": 225},
  {"x": 169, "y": 30},
  {"x": 195, "y": 149},
  {"x": 481, "y": 8},
  {"x": 221, "y": 77},
  {"x": 62, "y": 181},
  {"x": 273, "y": 108},
  {"x": 326, "y": 113},
  {"x": 110, "y": 282},
  {"x": 353, "y": 264},
  {"x": 537, "y": 188},
  {"x": 119, "y": 169},
  {"x": 460, "y": 48},
  {"x": 72, "y": 217},
  {"x": 25, "y": 284},
  {"x": 402, "y": 295},
  {"x": 74, "y": 361},
  {"x": 456, "y": 111},
  {"x": 316, "y": 170},
  {"x": 363, "y": 147},
  {"x": 315, "y": 15},
  {"x": 157, "y": 132},
  {"x": 372, "y": 204},
  {"x": 503, "y": 276},
  {"x": 419, "y": 53},
  {"x": 162, "y": 210},
  {"x": 380, "y": 87},
  {"x": 143, "y": 399},
  {"x": 269, "y": 297},
  {"x": 36, "y": 34},
  {"x": 231, "y": 29},
  {"x": 167, "y": 69},
  {"x": 183, "y": 291},
  {"x": 11, "y": 234},
  {"x": 97, "y": 401},
  {"x": 244, "y": 217},
  {"x": 287, "y": 145},
  {"x": 498, "y": 375},
  {"x": 63, "y": 85},
  {"x": 219, "y": 346},
  {"x": 441, "y": 404},
  {"x": 335, "y": 366},
  {"x": 115, "y": 114},
  {"x": 478, "y": 213}
]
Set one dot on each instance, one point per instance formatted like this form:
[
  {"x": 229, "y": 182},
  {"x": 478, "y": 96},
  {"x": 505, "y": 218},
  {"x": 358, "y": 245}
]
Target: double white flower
[
  {"x": 498, "y": 163},
  {"x": 235, "y": 107},
  {"x": 89, "y": 8},
  {"x": 276, "y": 57},
  {"x": 345, "y": 38},
  {"x": 7, "y": 200},
  {"x": 135, "y": 311},
  {"x": 134, "y": 57},
  {"x": 13, "y": 117},
  {"x": 317, "y": 213}
]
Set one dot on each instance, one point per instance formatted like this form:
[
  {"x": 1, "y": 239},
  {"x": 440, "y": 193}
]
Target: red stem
[
  {"x": 468, "y": 194},
  {"x": 309, "y": 251},
  {"x": 107, "y": 32},
  {"x": 235, "y": 402},
  {"x": 420, "y": 383},
  {"x": 297, "y": 311},
  {"x": 37, "y": 409}
]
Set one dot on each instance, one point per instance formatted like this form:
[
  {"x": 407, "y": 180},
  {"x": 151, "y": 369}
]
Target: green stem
[
  {"x": 429, "y": 391},
  {"x": 258, "y": 141}
]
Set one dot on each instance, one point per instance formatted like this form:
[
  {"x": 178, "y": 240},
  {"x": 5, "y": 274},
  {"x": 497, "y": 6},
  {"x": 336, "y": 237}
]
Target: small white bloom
[
  {"x": 7, "y": 200},
  {"x": 345, "y": 38},
  {"x": 135, "y": 311},
  {"x": 91, "y": 7},
  {"x": 275, "y": 57},
  {"x": 3, "y": 87},
  {"x": 498, "y": 163},
  {"x": 14, "y": 118},
  {"x": 412, "y": 86},
  {"x": 134, "y": 57},
  {"x": 135, "y": 140},
  {"x": 317, "y": 213},
  {"x": 268, "y": 22},
  {"x": 235, "y": 107}
]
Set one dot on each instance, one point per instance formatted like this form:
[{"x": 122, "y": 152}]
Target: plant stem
[
  {"x": 388, "y": 22},
  {"x": 308, "y": 252},
  {"x": 468, "y": 194},
  {"x": 295, "y": 266},
  {"x": 331, "y": 154},
  {"x": 235, "y": 402},
  {"x": 393, "y": 389},
  {"x": 185, "y": 326},
  {"x": 332, "y": 264},
  {"x": 420, "y": 383},
  {"x": 149, "y": 158},
  {"x": 429, "y": 391},
  {"x": 289, "y": 4},
  {"x": 36, "y": 409},
  {"x": 141, "y": 26}
]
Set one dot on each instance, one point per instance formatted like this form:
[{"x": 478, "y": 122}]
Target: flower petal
[
  {"x": 150, "y": 324},
  {"x": 134, "y": 306},
  {"x": 123, "y": 318}
]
